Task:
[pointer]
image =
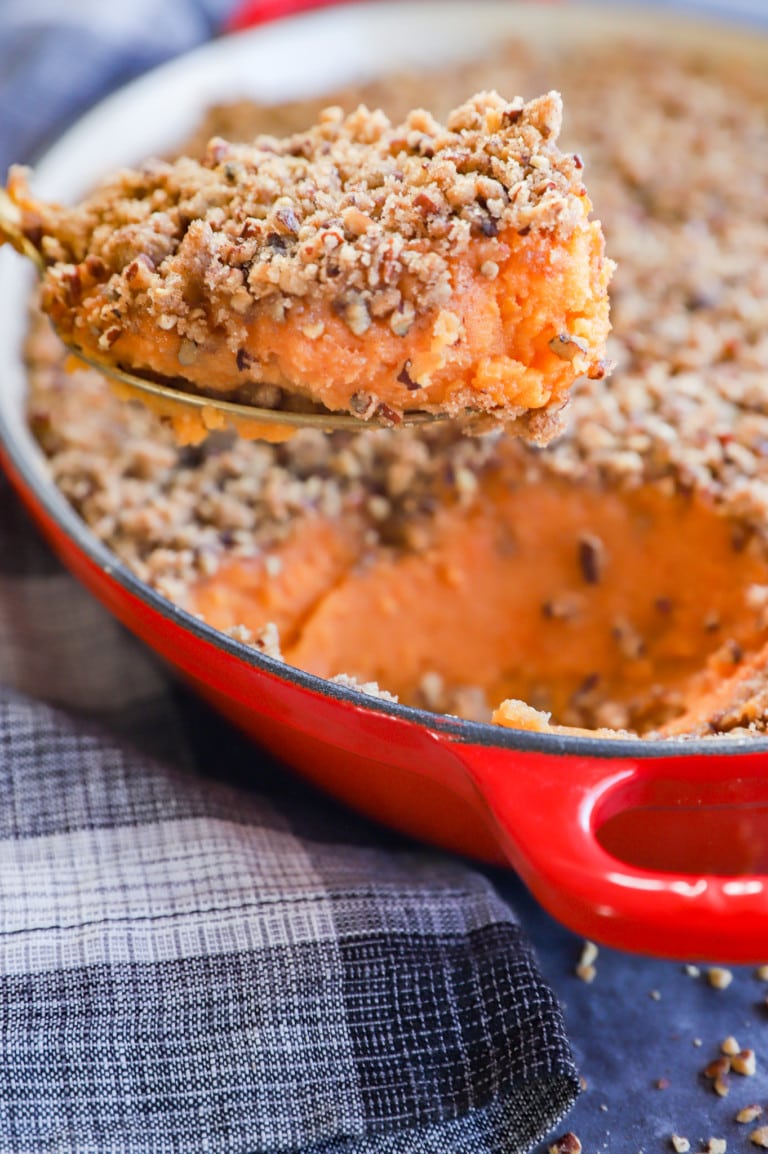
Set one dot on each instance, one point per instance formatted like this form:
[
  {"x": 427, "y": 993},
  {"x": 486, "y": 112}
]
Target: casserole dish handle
[{"x": 665, "y": 856}]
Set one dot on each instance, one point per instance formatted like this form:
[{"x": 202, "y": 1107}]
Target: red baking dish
[{"x": 659, "y": 847}]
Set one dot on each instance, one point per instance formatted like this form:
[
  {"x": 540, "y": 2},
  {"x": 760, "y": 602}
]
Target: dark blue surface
[{"x": 635, "y": 1029}]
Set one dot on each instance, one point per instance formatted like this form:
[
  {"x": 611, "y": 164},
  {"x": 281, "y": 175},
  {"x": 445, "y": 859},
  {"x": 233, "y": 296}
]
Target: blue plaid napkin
[{"x": 188, "y": 965}]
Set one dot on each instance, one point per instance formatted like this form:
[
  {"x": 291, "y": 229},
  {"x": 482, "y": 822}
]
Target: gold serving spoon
[{"x": 194, "y": 414}]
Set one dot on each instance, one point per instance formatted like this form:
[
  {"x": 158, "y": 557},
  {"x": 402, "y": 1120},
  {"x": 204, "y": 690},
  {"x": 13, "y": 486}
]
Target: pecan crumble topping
[
  {"x": 356, "y": 210},
  {"x": 364, "y": 265}
]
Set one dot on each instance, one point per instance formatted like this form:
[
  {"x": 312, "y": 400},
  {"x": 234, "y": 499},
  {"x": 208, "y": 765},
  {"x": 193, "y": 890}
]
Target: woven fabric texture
[{"x": 198, "y": 953}]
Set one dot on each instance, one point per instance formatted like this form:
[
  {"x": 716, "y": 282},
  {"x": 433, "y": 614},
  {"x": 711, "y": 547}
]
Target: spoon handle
[{"x": 12, "y": 232}]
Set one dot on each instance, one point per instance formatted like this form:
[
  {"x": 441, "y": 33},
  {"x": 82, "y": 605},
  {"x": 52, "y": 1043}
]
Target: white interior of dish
[{"x": 296, "y": 58}]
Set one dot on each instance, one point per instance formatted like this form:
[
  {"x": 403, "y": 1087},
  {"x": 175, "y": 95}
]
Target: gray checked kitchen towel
[{"x": 187, "y": 964}]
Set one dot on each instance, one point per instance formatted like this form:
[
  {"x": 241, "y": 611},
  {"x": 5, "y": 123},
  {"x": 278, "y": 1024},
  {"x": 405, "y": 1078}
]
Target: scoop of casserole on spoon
[{"x": 355, "y": 272}]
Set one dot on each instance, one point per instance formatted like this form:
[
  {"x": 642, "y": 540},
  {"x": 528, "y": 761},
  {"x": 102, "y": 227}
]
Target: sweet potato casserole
[{"x": 615, "y": 580}]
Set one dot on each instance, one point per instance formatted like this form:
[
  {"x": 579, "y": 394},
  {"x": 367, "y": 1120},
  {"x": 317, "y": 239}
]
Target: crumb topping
[
  {"x": 357, "y": 211},
  {"x": 687, "y": 403}
]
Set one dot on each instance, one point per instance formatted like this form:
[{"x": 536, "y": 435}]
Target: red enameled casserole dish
[{"x": 654, "y": 846}]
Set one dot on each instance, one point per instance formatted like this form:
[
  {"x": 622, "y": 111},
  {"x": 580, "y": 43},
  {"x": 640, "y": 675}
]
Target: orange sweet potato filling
[
  {"x": 543, "y": 593},
  {"x": 311, "y": 562},
  {"x": 489, "y": 347}
]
